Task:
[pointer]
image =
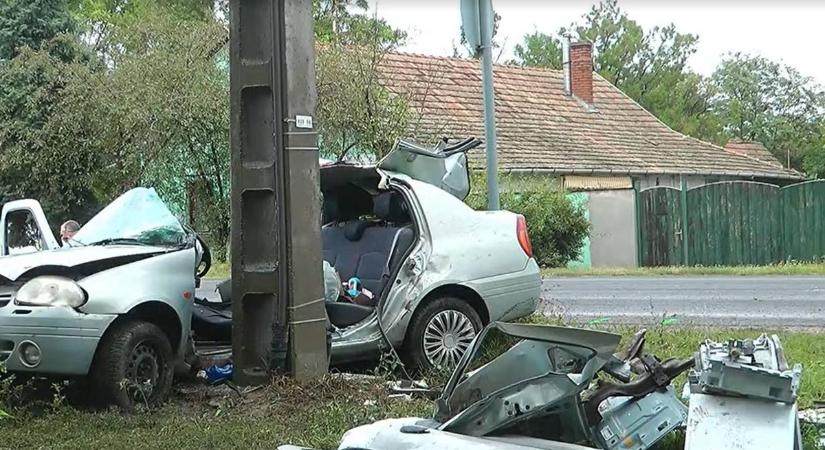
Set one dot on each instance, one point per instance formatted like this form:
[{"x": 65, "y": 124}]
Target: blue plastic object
[
  {"x": 354, "y": 287},
  {"x": 217, "y": 374}
]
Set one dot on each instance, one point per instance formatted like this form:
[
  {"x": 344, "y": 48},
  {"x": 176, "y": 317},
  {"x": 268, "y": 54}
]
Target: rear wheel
[
  {"x": 134, "y": 365},
  {"x": 441, "y": 332}
]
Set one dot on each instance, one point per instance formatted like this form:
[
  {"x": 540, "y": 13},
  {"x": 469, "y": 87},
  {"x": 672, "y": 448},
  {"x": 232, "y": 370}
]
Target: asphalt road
[
  {"x": 207, "y": 290},
  {"x": 767, "y": 301}
]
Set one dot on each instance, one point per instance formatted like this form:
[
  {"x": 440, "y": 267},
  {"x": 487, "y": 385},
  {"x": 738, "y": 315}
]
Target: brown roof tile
[
  {"x": 752, "y": 149},
  {"x": 540, "y": 128}
]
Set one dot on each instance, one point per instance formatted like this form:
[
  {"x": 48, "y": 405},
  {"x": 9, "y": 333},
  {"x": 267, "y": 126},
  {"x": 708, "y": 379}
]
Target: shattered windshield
[{"x": 138, "y": 217}]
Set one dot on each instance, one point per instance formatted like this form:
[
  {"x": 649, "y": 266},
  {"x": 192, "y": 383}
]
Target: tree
[
  {"x": 98, "y": 18},
  {"x": 75, "y": 132},
  {"x": 45, "y": 157},
  {"x": 345, "y": 22},
  {"x": 28, "y": 23},
  {"x": 761, "y": 100},
  {"x": 160, "y": 117},
  {"x": 650, "y": 67},
  {"x": 539, "y": 50},
  {"x": 358, "y": 116}
]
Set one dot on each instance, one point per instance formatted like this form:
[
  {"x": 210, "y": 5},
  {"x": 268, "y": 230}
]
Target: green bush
[{"x": 557, "y": 227}]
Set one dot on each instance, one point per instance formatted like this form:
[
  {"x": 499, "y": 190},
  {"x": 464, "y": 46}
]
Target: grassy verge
[
  {"x": 776, "y": 269},
  {"x": 317, "y": 414},
  {"x": 222, "y": 270},
  {"x": 219, "y": 271}
]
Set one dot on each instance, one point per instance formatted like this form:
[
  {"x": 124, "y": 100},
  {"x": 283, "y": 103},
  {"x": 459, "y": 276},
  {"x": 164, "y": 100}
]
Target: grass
[
  {"x": 222, "y": 270},
  {"x": 317, "y": 414},
  {"x": 775, "y": 269},
  {"x": 219, "y": 271}
]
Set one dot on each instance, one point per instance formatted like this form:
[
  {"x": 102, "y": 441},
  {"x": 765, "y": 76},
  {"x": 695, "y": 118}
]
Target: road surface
[{"x": 767, "y": 301}]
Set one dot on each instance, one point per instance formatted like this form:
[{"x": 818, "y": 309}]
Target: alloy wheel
[{"x": 447, "y": 337}]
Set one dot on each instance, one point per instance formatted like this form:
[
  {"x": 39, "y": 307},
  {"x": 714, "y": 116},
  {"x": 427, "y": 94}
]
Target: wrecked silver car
[
  {"x": 114, "y": 306},
  {"x": 435, "y": 270}
]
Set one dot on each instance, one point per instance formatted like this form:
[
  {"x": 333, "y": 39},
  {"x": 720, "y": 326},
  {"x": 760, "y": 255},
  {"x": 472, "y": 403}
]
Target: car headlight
[{"x": 50, "y": 291}]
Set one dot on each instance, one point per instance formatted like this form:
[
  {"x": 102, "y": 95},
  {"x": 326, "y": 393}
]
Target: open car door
[
  {"x": 443, "y": 166},
  {"x": 24, "y": 228}
]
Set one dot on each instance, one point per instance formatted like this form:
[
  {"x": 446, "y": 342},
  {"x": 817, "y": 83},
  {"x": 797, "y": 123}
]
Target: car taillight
[{"x": 523, "y": 236}]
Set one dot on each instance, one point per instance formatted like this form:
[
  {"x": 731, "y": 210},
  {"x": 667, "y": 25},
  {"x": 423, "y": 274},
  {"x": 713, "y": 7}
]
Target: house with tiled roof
[
  {"x": 575, "y": 128},
  {"x": 544, "y": 125}
]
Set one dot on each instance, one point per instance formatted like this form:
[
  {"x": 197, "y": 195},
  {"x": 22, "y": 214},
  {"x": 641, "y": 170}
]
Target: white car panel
[{"x": 33, "y": 207}]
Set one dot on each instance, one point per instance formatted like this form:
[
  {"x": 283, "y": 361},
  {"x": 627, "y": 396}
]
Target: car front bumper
[{"x": 66, "y": 338}]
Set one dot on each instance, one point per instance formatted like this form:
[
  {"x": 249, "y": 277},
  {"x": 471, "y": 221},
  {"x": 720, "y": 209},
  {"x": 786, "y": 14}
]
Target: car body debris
[
  {"x": 742, "y": 395},
  {"x": 555, "y": 388}
]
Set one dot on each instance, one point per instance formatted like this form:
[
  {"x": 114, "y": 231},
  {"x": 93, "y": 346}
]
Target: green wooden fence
[
  {"x": 732, "y": 223},
  {"x": 661, "y": 227},
  {"x": 803, "y": 221}
]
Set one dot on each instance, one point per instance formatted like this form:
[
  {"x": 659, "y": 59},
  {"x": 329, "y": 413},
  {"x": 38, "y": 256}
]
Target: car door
[
  {"x": 25, "y": 228},
  {"x": 443, "y": 166}
]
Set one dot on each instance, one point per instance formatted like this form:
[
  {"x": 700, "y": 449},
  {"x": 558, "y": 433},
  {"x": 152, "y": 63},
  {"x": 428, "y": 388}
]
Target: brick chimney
[{"x": 581, "y": 71}]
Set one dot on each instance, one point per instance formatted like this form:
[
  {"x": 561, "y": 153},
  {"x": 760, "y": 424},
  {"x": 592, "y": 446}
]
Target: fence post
[
  {"x": 685, "y": 240},
  {"x": 637, "y": 185}
]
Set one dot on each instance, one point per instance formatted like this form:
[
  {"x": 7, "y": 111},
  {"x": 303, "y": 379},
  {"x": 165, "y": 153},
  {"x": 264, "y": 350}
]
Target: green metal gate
[
  {"x": 661, "y": 227},
  {"x": 803, "y": 217},
  {"x": 732, "y": 223}
]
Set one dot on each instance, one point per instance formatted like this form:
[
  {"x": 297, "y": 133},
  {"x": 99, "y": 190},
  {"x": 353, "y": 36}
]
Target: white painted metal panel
[{"x": 729, "y": 423}]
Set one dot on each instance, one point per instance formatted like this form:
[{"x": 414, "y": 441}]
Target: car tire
[
  {"x": 134, "y": 366},
  {"x": 440, "y": 314}
]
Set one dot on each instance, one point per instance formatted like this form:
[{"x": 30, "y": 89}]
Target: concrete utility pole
[
  {"x": 279, "y": 321},
  {"x": 477, "y": 19}
]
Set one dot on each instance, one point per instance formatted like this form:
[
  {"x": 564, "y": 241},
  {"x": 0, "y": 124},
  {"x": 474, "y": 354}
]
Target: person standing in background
[{"x": 68, "y": 230}]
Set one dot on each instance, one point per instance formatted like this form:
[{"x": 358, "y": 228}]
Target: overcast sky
[{"x": 791, "y": 31}]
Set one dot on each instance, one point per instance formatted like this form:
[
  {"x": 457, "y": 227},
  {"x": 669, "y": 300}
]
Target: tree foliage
[
  {"x": 28, "y": 23},
  {"x": 650, "y": 67},
  {"x": 140, "y": 96},
  {"x": 78, "y": 128},
  {"x": 761, "y": 100},
  {"x": 359, "y": 118},
  {"x": 44, "y": 155},
  {"x": 345, "y": 22},
  {"x": 160, "y": 117},
  {"x": 100, "y": 19}
]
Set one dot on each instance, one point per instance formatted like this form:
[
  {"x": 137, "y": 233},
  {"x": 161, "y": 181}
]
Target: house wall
[
  {"x": 674, "y": 181},
  {"x": 613, "y": 228},
  {"x": 612, "y": 239}
]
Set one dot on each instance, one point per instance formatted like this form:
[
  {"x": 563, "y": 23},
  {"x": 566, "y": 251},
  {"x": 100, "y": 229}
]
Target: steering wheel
[{"x": 206, "y": 259}]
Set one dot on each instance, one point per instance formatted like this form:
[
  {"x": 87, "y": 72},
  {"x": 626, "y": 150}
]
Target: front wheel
[
  {"x": 441, "y": 332},
  {"x": 134, "y": 365}
]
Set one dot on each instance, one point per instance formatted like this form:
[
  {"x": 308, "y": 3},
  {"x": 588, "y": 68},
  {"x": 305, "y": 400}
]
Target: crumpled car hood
[
  {"x": 12, "y": 267},
  {"x": 548, "y": 366}
]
